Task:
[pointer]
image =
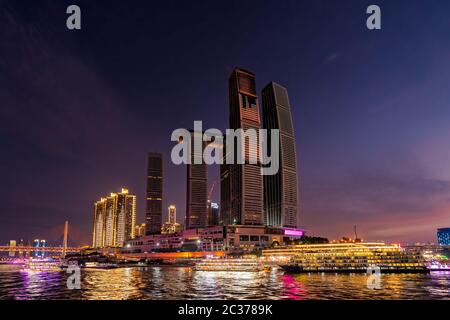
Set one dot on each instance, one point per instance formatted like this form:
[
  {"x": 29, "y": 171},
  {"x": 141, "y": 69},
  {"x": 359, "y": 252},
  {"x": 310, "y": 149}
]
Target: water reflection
[{"x": 183, "y": 283}]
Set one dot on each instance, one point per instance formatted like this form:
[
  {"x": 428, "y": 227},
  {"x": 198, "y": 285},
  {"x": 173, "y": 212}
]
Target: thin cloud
[{"x": 332, "y": 57}]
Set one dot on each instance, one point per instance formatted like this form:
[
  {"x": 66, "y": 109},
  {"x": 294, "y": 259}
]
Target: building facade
[
  {"x": 197, "y": 187},
  {"x": 242, "y": 184},
  {"x": 153, "y": 208},
  {"x": 213, "y": 213},
  {"x": 234, "y": 238},
  {"x": 171, "y": 226},
  {"x": 443, "y": 236},
  {"x": 172, "y": 214},
  {"x": 114, "y": 220},
  {"x": 280, "y": 190},
  {"x": 139, "y": 230}
]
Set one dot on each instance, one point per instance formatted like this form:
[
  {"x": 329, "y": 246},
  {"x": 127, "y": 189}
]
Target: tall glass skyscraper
[
  {"x": 197, "y": 187},
  {"x": 280, "y": 190},
  {"x": 241, "y": 184},
  {"x": 153, "y": 208}
]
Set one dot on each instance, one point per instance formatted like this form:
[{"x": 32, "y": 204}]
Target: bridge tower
[{"x": 66, "y": 231}]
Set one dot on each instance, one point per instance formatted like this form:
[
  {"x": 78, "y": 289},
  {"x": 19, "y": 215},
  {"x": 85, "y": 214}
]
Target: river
[{"x": 183, "y": 283}]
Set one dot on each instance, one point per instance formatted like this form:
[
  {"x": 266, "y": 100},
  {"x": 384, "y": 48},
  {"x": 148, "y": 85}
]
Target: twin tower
[{"x": 247, "y": 197}]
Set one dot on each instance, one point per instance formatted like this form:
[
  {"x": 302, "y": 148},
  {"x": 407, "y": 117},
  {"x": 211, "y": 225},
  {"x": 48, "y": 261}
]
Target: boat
[
  {"x": 230, "y": 264},
  {"x": 100, "y": 265},
  {"x": 41, "y": 265},
  {"x": 354, "y": 258},
  {"x": 438, "y": 266}
]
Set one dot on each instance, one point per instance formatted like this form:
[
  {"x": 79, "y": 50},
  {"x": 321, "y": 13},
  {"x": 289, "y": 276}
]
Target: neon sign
[{"x": 290, "y": 232}]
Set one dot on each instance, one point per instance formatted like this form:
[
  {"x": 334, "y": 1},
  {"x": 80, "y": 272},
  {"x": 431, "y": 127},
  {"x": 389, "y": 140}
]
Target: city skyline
[{"x": 371, "y": 130}]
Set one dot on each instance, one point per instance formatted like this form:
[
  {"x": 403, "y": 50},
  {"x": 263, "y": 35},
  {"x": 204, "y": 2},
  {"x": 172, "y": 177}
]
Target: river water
[{"x": 182, "y": 283}]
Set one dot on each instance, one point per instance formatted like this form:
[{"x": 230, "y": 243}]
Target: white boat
[
  {"x": 41, "y": 265},
  {"x": 438, "y": 266},
  {"x": 230, "y": 264},
  {"x": 100, "y": 265}
]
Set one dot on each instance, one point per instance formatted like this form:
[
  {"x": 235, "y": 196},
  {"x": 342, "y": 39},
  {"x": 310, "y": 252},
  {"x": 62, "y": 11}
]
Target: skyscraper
[
  {"x": 139, "y": 230},
  {"x": 98, "y": 235},
  {"x": 197, "y": 187},
  {"x": 280, "y": 190},
  {"x": 172, "y": 214},
  {"x": 153, "y": 209},
  {"x": 114, "y": 220},
  {"x": 171, "y": 226},
  {"x": 242, "y": 184}
]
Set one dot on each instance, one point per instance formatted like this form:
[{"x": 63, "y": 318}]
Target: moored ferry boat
[
  {"x": 438, "y": 266},
  {"x": 41, "y": 265},
  {"x": 354, "y": 258},
  {"x": 230, "y": 264},
  {"x": 100, "y": 265}
]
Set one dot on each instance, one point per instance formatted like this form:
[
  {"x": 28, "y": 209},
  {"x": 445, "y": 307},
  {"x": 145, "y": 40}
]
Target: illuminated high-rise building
[
  {"x": 139, "y": 230},
  {"x": 153, "y": 209},
  {"x": 280, "y": 190},
  {"x": 172, "y": 214},
  {"x": 197, "y": 187},
  {"x": 242, "y": 184},
  {"x": 443, "y": 236},
  {"x": 98, "y": 234},
  {"x": 114, "y": 220},
  {"x": 171, "y": 226}
]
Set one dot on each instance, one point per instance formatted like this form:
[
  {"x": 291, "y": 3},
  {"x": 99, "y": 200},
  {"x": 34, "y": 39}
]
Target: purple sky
[{"x": 79, "y": 110}]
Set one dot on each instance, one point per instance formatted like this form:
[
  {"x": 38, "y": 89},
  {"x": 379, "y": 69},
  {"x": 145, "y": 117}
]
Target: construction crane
[{"x": 211, "y": 190}]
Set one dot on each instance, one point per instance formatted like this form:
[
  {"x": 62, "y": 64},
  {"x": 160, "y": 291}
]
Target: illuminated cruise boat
[
  {"x": 230, "y": 264},
  {"x": 99, "y": 265},
  {"x": 353, "y": 258},
  {"x": 438, "y": 266},
  {"x": 41, "y": 265}
]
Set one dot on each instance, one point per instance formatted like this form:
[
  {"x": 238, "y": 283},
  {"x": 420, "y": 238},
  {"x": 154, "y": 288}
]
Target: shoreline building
[
  {"x": 114, "y": 220},
  {"x": 443, "y": 236},
  {"x": 153, "y": 208},
  {"x": 242, "y": 184},
  {"x": 139, "y": 230},
  {"x": 235, "y": 238},
  {"x": 280, "y": 190}
]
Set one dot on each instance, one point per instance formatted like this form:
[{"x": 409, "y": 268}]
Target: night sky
[{"x": 79, "y": 110}]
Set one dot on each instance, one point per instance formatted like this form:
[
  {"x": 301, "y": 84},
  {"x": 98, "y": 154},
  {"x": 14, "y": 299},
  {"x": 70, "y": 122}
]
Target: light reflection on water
[{"x": 182, "y": 283}]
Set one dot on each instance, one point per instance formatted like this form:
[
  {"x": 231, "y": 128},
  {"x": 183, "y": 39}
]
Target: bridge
[
  {"x": 29, "y": 249},
  {"x": 40, "y": 248}
]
